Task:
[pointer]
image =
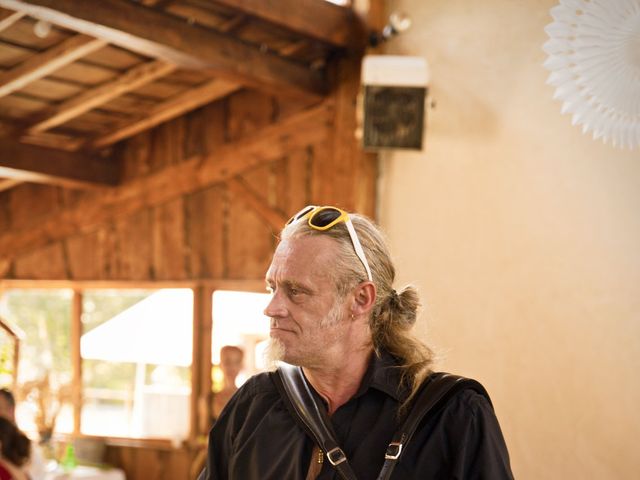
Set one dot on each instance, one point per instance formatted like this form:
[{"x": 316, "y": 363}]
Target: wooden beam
[
  {"x": 75, "y": 106},
  {"x": 157, "y": 34},
  {"x": 42, "y": 64},
  {"x": 8, "y": 18},
  {"x": 109, "y": 284},
  {"x": 53, "y": 140},
  {"x": 233, "y": 23},
  {"x": 7, "y": 183},
  {"x": 44, "y": 165},
  {"x": 167, "y": 110},
  {"x": 269, "y": 143},
  {"x": 241, "y": 190},
  {"x": 15, "y": 129},
  {"x": 319, "y": 19}
]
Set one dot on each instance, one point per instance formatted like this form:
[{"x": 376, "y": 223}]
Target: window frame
[{"x": 201, "y": 363}]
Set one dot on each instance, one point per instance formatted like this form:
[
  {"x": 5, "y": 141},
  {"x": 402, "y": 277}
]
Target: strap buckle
[
  {"x": 336, "y": 456},
  {"x": 393, "y": 451}
]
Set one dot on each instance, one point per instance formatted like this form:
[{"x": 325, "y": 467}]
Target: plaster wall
[{"x": 523, "y": 237}]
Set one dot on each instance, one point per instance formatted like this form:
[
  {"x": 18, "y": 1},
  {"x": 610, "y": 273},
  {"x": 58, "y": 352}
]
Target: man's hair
[
  {"x": 393, "y": 314},
  {"x": 8, "y": 396},
  {"x": 231, "y": 349}
]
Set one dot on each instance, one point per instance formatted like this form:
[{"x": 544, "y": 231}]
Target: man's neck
[
  {"x": 229, "y": 384},
  {"x": 337, "y": 384}
]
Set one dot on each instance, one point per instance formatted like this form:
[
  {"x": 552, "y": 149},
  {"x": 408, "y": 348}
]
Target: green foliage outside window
[{"x": 45, "y": 318}]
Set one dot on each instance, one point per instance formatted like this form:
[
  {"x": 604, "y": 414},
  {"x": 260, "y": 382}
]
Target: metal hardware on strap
[
  {"x": 336, "y": 456},
  {"x": 393, "y": 451}
]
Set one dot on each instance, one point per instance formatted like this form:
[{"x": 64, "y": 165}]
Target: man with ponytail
[{"x": 335, "y": 313}]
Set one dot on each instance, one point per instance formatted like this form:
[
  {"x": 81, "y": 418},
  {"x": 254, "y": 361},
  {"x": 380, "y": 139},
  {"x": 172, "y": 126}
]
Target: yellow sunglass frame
[{"x": 309, "y": 212}]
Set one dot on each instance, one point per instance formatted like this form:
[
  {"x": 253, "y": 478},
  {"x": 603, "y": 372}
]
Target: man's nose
[{"x": 275, "y": 307}]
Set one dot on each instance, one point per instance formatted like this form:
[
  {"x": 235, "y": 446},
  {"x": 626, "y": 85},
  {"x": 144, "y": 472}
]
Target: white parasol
[{"x": 157, "y": 330}]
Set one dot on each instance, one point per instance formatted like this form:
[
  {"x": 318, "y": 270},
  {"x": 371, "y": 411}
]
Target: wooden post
[
  {"x": 76, "y": 360},
  {"x": 201, "y": 363}
]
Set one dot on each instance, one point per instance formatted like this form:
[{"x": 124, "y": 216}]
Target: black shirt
[{"x": 256, "y": 438}]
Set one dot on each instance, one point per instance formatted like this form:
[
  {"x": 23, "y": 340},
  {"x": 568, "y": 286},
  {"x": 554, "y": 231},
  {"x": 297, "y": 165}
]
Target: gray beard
[{"x": 273, "y": 354}]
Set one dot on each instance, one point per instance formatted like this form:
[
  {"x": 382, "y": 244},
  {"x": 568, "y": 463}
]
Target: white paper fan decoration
[{"x": 594, "y": 59}]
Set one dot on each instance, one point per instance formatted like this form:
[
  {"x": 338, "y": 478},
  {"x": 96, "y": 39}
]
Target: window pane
[
  {"x": 238, "y": 321},
  {"x": 136, "y": 348},
  {"x": 45, "y": 363}
]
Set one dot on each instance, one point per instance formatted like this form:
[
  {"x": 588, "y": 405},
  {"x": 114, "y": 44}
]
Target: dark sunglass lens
[
  {"x": 325, "y": 217},
  {"x": 299, "y": 215}
]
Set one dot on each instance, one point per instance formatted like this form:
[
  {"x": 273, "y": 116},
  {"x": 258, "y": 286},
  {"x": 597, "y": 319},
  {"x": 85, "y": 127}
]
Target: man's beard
[
  {"x": 277, "y": 352},
  {"x": 273, "y": 354}
]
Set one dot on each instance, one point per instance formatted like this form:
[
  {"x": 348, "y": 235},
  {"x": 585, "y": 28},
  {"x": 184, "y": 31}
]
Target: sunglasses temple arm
[{"x": 358, "y": 248}]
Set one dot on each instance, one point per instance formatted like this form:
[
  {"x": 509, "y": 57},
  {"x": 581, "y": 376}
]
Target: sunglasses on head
[{"x": 324, "y": 218}]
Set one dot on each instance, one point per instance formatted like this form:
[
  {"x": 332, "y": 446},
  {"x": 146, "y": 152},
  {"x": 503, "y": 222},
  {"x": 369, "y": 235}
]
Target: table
[{"x": 86, "y": 473}]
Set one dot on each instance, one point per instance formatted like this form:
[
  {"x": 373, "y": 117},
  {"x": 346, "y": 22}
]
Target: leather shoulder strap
[
  {"x": 302, "y": 405},
  {"x": 434, "y": 394}
]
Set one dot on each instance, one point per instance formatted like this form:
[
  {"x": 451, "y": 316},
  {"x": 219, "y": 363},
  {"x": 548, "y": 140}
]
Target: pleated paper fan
[{"x": 594, "y": 59}]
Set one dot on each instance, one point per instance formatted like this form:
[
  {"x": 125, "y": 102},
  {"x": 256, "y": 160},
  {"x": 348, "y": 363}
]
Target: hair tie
[{"x": 394, "y": 298}]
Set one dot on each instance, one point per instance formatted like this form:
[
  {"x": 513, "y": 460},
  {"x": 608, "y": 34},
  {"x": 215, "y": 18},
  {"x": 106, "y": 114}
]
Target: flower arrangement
[{"x": 48, "y": 402}]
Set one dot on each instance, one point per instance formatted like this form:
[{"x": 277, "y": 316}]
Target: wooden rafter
[
  {"x": 155, "y": 3},
  {"x": 167, "y": 110},
  {"x": 48, "y": 61},
  {"x": 240, "y": 189},
  {"x": 53, "y": 140},
  {"x": 269, "y": 143},
  {"x": 43, "y": 139},
  {"x": 233, "y": 23},
  {"x": 159, "y": 35},
  {"x": 44, "y": 165},
  {"x": 319, "y": 19},
  {"x": 132, "y": 79},
  {"x": 8, "y": 18},
  {"x": 7, "y": 183}
]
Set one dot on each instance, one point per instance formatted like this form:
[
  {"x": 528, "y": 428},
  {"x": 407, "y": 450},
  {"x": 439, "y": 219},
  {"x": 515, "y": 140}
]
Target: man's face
[
  {"x": 307, "y": 316},
  {"x": 230, "y": 363}
]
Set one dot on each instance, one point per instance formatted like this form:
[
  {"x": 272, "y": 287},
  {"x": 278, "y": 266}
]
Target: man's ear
[{"x": 364, "y": 298}]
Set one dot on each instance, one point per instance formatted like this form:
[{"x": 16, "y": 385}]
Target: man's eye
[{"x": 294, "y": 292}]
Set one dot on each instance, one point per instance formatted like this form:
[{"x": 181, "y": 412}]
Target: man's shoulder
[
  {"x": 445, "y": 393},
  {"x": 449, "y": 385},
  {"x": 257, "y": 385},
  {"x": 465, "y": 401},
  {"x": 471, "y": 400}
]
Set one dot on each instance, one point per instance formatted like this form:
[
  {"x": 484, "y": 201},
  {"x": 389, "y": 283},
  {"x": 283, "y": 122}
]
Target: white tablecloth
[{"x": 87, "y": 473}]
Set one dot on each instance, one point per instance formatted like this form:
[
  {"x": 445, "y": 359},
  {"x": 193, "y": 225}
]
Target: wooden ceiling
[{"x": 77, "y": 76}]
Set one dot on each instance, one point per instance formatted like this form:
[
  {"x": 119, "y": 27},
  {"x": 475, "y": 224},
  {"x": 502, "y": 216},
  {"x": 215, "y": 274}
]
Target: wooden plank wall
[
  {"x": 203, "y": 197},
  {"x": 153, "y": 463},
  {"x": 206, "y": 232}
]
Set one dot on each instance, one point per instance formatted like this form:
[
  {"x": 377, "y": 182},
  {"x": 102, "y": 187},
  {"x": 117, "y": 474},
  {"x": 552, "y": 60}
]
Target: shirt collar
[{"x": 384, "y": 374}]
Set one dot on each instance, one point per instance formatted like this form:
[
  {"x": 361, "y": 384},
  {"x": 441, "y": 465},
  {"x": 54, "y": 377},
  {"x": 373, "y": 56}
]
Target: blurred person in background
[
  {"x": 34, "y": 462},
  {"x": 231, "y": 363},
  {"x": 15, "y": 450}
]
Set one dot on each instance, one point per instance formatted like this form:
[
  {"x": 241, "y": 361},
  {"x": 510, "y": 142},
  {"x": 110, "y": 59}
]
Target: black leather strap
[
  {"x": 293, "y": 387},
  {"x": 435, "y": 393}
]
